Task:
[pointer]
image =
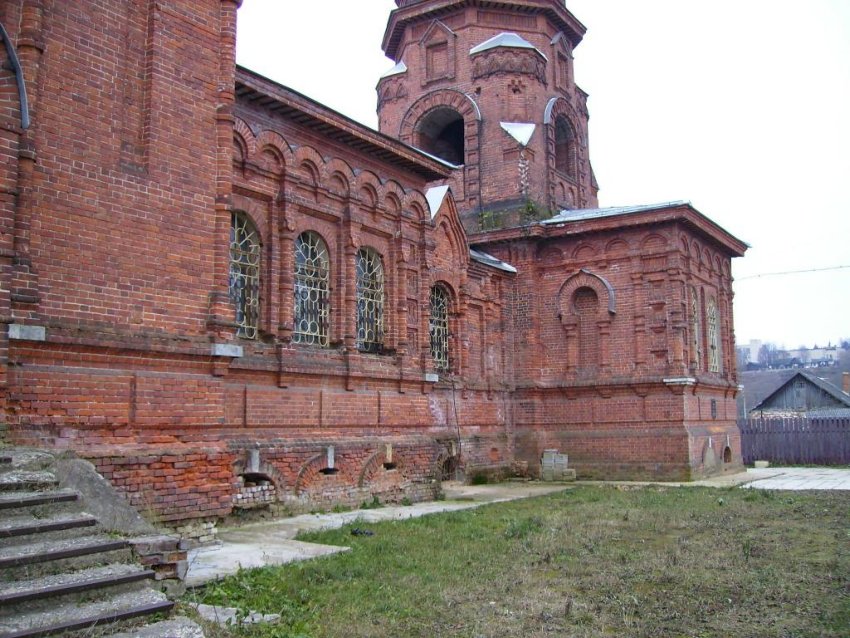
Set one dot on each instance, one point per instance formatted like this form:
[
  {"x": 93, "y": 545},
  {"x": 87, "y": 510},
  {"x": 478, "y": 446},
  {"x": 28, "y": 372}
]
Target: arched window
[
  {"x": 312, "y": 307},
  {"x": 696, "y": 336},
  {"x": 441, "y": 133},
  {"x": 438, "y": 328},
  {"x": 586, "y": 305},
  {"x": 566, "y": 160},
  {"x": 370, "y": 301},
  {"x": 245, "y": 274},
  {"x": 713, "y": 330}
]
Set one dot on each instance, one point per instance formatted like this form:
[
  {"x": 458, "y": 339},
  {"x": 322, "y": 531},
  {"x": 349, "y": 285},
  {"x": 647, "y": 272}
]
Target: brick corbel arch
[{"x": 570, "y": 319}]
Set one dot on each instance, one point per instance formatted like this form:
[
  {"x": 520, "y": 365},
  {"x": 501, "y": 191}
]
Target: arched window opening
[
  {"x": 586, "y": 305},
  {"x": 438, "y": 328},
  {"x": 713, "y": 336},
  {"x": 441, "y": 133},
  {"x": 312, "y": 307},
  {"x": 566, "y": 160},
  {"x": 245, "y": 274},
  {"x": 696, "y": 349},
  {"x": 370, "y": 301}
]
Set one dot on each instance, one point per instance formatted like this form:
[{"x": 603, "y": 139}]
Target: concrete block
[
  {"x": 226, "y": 350},
  {"x": 27, "y": 333}
]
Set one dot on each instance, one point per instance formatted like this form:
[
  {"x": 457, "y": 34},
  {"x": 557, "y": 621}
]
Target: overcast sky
[{"x": 741, "y": 107}]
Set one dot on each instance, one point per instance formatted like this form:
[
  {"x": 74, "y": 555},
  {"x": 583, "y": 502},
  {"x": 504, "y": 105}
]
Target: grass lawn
[{"x": 585, "y": 563}]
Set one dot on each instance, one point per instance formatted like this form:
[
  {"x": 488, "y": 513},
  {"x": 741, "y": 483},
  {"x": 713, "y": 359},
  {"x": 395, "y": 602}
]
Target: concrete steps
[
  {"x": 175, "y": 628},
  {"x": 12, "y": 480},
  {"x": 83, "y": 580},
  {"x": 31, "y": 525},
  {"x": 25, "y": 500},
  {"x": 72, "y": 616},
  {"x": 31, "y": 554},
  {"x": 60, "y": 574}
]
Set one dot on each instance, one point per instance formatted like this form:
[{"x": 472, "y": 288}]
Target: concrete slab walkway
[
  {"x": 272, "y": 542},
  {"x": 799, "y": 478}
]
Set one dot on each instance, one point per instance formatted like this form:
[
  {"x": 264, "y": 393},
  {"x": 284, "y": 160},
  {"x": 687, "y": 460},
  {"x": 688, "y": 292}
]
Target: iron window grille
[
  {"x": 695, "y": 331},
  {"x": 245, "y": 275},
  {"x": 312, "y": 307},
  {"x": 438, "y": 328},
  {"x": 713, "y": 337},
  {"x": 370, "y": 301}
]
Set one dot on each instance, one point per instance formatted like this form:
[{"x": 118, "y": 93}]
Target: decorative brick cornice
[
  {"x": 515, "y": 61},
  {"x": 412, "y": 12}
]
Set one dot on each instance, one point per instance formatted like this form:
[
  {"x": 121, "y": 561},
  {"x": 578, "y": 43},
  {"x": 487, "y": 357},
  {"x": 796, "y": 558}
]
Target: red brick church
[{"x": 224, "y": 293}]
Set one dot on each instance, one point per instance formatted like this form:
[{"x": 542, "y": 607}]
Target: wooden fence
[{"x": 796, "y": 440}]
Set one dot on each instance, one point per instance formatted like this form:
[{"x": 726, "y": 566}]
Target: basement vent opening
[
  {"x": 389, "y": 466},
  {"x": 251, "y": 479},
  {"x": 451, "y": 469},
  {"x": 329, "y": 470},
  {"x": 254, "y": 490}
]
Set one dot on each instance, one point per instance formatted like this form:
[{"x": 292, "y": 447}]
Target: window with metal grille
[
  {"x": 438, "y": 328},
  {"x": 245, "y": 274},
  {"x": 713, "y": 337},
  {"x": 312, "y": 308},
  {"x": 370, "y": 301},
  {"x": 696, "y": 350}
]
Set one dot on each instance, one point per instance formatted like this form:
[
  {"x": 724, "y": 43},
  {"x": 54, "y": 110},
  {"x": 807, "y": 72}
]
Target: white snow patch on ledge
[
  {"x": 398, "y": 69},
  {"x": 436, "y": 196},
  {"x": 520, "y": 131},
  {"x": 508, "y": 40}
]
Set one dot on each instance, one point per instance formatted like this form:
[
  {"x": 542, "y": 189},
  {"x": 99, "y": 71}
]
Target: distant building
[
  {"x": 803, "y": 393},
  {"x": 814, "y": 357},
  {"x": 752, "y": 350}
]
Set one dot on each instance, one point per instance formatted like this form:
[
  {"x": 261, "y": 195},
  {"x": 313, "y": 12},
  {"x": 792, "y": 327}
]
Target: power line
[{"x": 791, "y": 272}]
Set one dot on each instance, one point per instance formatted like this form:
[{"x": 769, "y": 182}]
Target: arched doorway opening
[{"x": 441, "y": 133}]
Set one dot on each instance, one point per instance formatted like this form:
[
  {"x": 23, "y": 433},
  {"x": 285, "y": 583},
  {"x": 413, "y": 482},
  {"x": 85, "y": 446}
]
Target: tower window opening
[
  {"x": 566, "y": 160},
  {"x": 441, "y": 133}
]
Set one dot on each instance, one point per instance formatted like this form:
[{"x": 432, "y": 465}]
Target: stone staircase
[{"x": 61, "y": 573}]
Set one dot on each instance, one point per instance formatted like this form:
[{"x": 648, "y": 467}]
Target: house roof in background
[{"x": 832, "y": 390}]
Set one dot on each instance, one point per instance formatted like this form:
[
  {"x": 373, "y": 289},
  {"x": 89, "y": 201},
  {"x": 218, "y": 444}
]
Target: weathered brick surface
[{"x": 115, "y": 208}]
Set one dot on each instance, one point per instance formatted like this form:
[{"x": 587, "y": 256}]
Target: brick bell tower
[{"x": 488, "y": 86}]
